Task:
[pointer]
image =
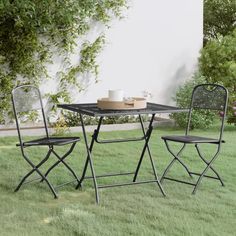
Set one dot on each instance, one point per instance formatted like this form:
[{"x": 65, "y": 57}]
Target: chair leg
[
  {"x": 32, "y": 171},
  {"x": 23, "y": 179},
  {"x": 206, "y": 169},
  {"x": 61, "y": 160},
  {"x": 176, "y": 158},
  {"x": 35, "y": 168},
  {"x": 48, "y": 183},
  {"x": 204, "y": 160}
]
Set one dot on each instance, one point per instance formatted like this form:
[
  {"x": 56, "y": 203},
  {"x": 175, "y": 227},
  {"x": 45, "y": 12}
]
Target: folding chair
[
  {"x": 27, "y": 98},
  {"x": 208, "y": 97}
]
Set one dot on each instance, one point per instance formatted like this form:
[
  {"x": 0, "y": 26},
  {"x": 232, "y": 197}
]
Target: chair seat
[
  {"x": 57, "y": 141},
  {"x": 190, "y": 139}
]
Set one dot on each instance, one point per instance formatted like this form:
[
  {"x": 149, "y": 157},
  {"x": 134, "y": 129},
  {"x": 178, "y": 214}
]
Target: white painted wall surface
[{"x": 155, "y": 48}]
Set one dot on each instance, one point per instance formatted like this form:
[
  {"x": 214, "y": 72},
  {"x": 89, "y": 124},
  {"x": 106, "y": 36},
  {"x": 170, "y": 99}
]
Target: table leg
[
  {"x": 147, "y": 135},
  {"x": 89, "y": 155}
]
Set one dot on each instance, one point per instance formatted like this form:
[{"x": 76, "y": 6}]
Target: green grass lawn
[{"x": 131, "y": 210}]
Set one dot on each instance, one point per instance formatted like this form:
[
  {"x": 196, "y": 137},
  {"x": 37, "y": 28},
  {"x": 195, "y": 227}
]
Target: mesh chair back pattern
[
  {"x": 210, "y": 97},
  {"x": 27, "y": 98}
]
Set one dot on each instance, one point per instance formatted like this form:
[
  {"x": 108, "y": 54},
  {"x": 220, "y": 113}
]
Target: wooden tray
[{"x": 133, "y": 103}]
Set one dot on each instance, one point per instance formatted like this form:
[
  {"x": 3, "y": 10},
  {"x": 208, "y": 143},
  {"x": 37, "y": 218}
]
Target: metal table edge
[{"x": 85, "y": 111}]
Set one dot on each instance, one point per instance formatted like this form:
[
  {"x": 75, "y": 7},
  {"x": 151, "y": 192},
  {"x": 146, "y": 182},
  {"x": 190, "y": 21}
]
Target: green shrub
[
  {"x": 219, "y": 18},
  {"x": 218, "y": 64},
  {"x": 200, "y": 118}
]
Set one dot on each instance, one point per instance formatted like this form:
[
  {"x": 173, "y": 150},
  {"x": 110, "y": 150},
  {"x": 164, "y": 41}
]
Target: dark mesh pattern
[
  {"x": 190, "y": 139},
  {"x": 26, "y": 99},
  {"x": 58, "y": 141},
  {"x": 209, "y": 97},
  {"x": 91, "y": 109}
]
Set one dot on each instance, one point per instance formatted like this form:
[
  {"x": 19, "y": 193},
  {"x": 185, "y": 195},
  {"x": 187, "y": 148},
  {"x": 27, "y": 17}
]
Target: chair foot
[
  {"x": 54, "y": 193},
  {"x": 194, "y": 190},
  {"x": 221, "y": 182},
  {"x": 18, "y": 187},
  {"x": 79, "y": 186}
]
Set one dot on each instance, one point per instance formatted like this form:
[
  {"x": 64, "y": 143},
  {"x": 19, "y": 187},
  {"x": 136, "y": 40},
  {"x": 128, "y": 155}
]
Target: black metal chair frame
[
  {"x": 197, "y": 141},
  {"x": 48, "y": 141}
]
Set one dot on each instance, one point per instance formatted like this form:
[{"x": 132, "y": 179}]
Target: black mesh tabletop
[{"x": 91, "y": 109}]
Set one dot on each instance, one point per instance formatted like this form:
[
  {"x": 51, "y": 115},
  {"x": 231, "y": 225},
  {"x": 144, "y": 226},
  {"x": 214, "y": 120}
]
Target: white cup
[{"x": 116, "y": 95}]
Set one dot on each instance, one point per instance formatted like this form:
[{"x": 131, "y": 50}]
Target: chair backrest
[
  {"x": 212, "y": 97},
  {"x": 27, "y": 98}
]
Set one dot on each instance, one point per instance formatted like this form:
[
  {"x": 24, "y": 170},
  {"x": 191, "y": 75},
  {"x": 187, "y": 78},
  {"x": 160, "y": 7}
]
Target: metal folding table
[{"x": 91, "y": 109}]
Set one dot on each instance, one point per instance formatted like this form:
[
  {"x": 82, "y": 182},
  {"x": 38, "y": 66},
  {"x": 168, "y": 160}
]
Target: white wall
[{"x": 155, "y": 48}]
